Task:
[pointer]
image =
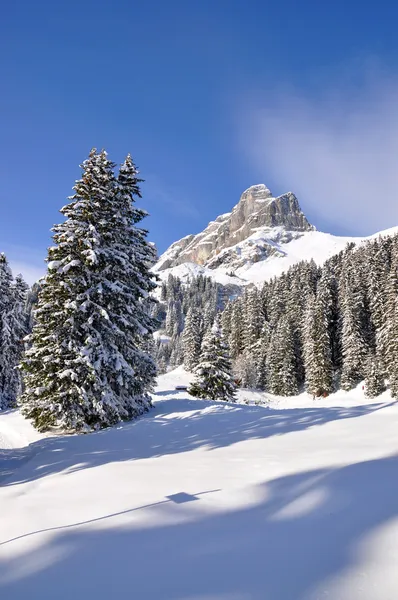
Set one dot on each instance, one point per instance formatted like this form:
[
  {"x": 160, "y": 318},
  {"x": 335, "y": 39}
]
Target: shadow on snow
[
  {"x": 303, "y": 530},
  {"x": 166, "y": 430}
]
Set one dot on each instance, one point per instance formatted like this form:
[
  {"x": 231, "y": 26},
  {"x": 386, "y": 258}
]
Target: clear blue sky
[{"x": 165, "y": 81}]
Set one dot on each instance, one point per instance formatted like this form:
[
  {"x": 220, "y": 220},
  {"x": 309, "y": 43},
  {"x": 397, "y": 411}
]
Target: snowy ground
[{"x": 206, "y": 501}]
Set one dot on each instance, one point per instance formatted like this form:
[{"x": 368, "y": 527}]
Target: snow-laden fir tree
[
  {"x": 327, "y": 290},
  {"x": 281, "y": 361},
  {"x": 88, "y": 365},
  {"x": 177, "y": 351},
  {"x": 13, "y": 328},
  {"x": 389, "y": 332},
  {"x": 317, "y": 345},
  {"x": 19, "y": 328},
  {"x": 354, "y": 348},
  {"x": 209, "y": 315},
  {"x": 311, "y": 381},
  {"x": 174, "y": 318},
  {"x": 260, "y": 353},
  {"x": 225, "y": 319},
  {"x": 392, "y": 348},
  {"x": 237, "y": 328},
  {"x": 5, "y": 330},
  {"x": 379, "y": 263},
  {"x": 192, "y": 339},
  {"x": 213, "y": 375},
  {"x": 253, "y": 318},
  {"x": 374, "y": 379}
]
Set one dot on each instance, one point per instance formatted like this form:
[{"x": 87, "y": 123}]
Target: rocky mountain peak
[
  {"x": 257, "y": 192},
  {"x": 258, "y": 213}
]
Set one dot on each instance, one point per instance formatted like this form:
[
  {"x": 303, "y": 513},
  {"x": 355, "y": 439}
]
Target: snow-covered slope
[
  {"x": 305, "y": 246},
  {"x": 209, "y": 501},
  {"x": 262, "y": 237}
]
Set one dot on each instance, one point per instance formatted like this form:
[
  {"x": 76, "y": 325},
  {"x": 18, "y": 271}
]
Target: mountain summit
[
  {"x": 258, "y": 208},
  {"x": 247, "y": 234}
]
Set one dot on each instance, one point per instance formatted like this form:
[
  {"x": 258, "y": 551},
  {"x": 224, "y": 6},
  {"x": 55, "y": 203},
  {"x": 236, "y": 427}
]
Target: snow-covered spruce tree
[
  {"x": 253, "y": 318},
  {"x": 87, "y": 366},
  {"x": 378, "y": 270},
  {"x": 177, "y": 354},
  {"x": 354, "y": 348},
  {"x": 19, "y": 328},
  {"x": 5, "y": 330},
  {"x": 311, "y": 380},
  {"x": 174, "y": 318},
  {"x": 236, "y": 329},
  {"x": 213, "y": 374},
  {"x": 260, "y": 355},
  {"x": 389, "y": 333},
  {"x": 327, "y": 292},
  {"x": 21, "y": 299},
  {"x": 317, "y": 345},
  {"x": 392, "y": 348},
  {"x": 281, "y": 361},
  {"x": 192, "y": 339},
  {"x": 374, "y": 379},
  {"x": 13, "y": 328}
]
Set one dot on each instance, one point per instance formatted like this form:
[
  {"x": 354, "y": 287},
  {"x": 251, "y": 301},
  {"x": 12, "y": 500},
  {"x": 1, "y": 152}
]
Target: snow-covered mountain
[{"x": 260, "y": 238}]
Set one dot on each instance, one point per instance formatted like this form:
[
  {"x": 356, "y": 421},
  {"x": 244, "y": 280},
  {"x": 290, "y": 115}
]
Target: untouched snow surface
[{"x": 206, "y": 501}]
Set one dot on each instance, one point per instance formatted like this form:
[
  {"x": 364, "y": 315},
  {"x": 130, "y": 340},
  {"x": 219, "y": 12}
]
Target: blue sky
[{"x": 209, "y": 97}]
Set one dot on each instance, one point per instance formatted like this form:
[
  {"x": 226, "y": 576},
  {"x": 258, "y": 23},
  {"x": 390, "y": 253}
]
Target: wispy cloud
[{"x": 338, "y": 152}]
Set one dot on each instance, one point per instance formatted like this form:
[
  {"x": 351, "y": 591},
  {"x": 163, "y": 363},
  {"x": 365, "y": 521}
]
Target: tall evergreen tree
[
  {"x": 379, "y": 264},
  {"x": 13, "y": 328},
  {"x": 317, "y": 343},
  {"x": 374, "y": 379},
  {"x": 281, "y": 361},
  {"x": 226, "y": 319},
  {"x": 353, "y": 342},
  {"x": 213, "y": 374},
  {"x": 389, "y": 331},
  {"x": 260, "y": 353},
  {"x": 236, "y": 341},
  {"x": 192, "y": 339},
  {"x": 87, "y": 366},
  {"x": 253, "y": 318},
  {"x": 392, "y": 348},
  {"x": 5, "y": 330}
]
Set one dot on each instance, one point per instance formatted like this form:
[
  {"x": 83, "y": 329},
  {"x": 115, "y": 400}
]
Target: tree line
[{"x": 313, "y": 328}]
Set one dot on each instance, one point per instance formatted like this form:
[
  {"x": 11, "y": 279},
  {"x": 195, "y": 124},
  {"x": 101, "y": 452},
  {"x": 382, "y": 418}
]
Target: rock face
[{"x": 258, "y": 220}]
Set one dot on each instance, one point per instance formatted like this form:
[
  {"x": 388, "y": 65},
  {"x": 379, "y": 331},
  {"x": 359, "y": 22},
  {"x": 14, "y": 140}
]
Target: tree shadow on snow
[
  {"x": 302, "y": 531},
  {"x": 171, "y": 427}
]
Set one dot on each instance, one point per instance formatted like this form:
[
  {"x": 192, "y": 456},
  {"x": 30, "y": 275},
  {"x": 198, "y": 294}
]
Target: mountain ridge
[
  {"x": 260, "y": 238},
  {"x": 256, "y": 209}
]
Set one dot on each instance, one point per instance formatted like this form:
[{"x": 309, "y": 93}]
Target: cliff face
[{"x": 258, "y": 219}]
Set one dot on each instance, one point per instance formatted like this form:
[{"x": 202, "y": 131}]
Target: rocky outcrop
[{"x": 256, "y": 211}]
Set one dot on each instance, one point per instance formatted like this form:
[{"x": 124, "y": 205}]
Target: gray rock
[{"x": 257, "y": 209}]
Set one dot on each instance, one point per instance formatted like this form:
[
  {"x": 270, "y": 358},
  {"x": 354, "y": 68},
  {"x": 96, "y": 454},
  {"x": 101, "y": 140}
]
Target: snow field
[{"x": 200, "y": 500}]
